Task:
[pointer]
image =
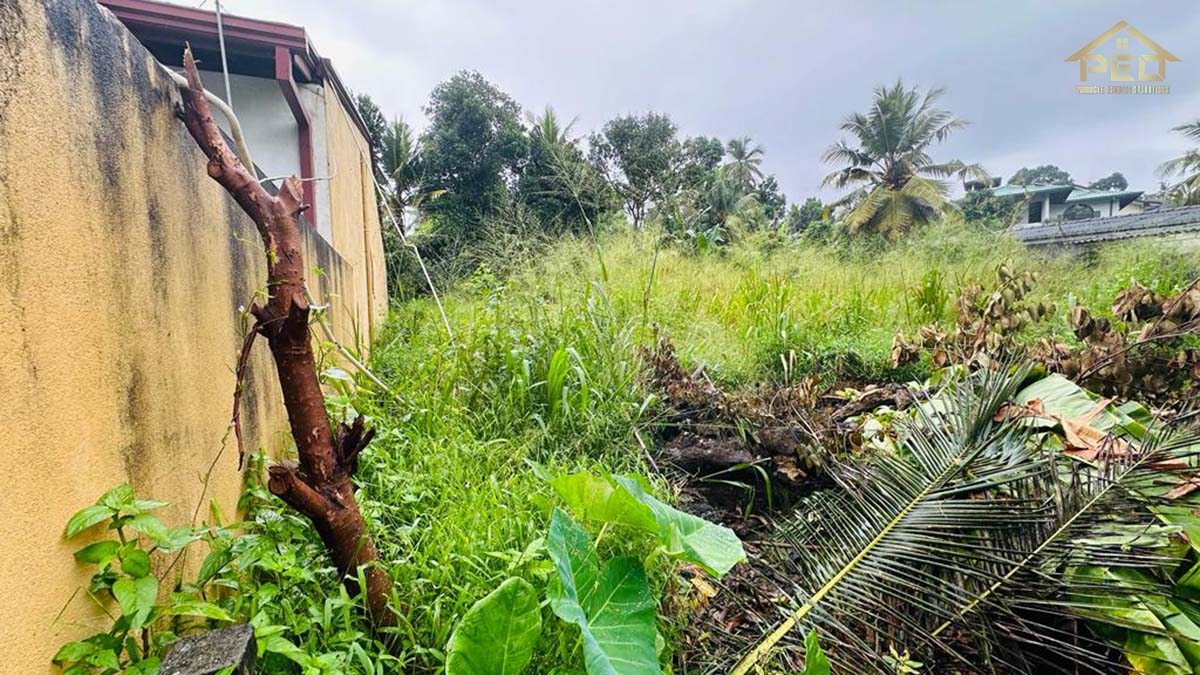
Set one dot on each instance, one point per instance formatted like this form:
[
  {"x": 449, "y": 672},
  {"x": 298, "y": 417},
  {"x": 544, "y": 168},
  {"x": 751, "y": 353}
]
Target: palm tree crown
[
  {"x": 547, "y": 127},
  {"x": 744, "y": 167},
  {"x": 1186, "y": 167},
  {"x": 900, "y": 185},
  {"x": 401, "y": 161}
]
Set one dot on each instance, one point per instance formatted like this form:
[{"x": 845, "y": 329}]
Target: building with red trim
[{"x": 282, "y": 90}]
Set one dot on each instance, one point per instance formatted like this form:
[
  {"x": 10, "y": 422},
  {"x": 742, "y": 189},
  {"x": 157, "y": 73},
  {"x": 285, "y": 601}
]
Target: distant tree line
[
  {"x": 483, "y": 168},
  {"x": 484, "y": 171}
]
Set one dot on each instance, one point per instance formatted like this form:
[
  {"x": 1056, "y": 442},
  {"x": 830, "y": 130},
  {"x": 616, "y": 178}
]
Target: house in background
[
  {"x": 1071, "y": 215},
  {"x": 1050, "y": 203},
  {"x": 297, "y": 116}
]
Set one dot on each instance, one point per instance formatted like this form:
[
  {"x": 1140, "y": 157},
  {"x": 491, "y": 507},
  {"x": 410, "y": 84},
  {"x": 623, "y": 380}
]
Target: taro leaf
[
  {"x": 591, "y": 497},
  {"x": 136, "y": 597},
  {"x": 628, "y": 502},
  {"x": 713, "y": 547},
  {"x": 815, "y": 662},
  {"x": 611, "y": 604},
  {"x": 498, "y": 634}
]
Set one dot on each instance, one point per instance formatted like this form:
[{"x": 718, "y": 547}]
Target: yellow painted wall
[
  {"x": 121, "y": 269},
  {"x": 356, "y": 234}
]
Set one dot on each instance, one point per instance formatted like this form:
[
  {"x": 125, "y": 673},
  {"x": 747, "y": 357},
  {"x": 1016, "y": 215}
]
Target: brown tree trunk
[{"x": 318, "y": 486}]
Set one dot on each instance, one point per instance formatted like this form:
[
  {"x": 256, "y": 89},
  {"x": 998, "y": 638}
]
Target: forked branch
[{"x": 319, "y": 485}]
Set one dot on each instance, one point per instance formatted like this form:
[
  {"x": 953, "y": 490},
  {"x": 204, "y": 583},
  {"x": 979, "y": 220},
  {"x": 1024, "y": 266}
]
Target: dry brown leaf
[
  {"x": 1086, "y": 441},
  {"x": 1184, "y": 488},
  {"x": 786, "y": 465},
  {"x": 705, "y": 589},
  {"x": 1033, "y": 408}
]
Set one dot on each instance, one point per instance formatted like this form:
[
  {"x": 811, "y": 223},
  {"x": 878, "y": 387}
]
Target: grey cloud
[{"x": 783, "y": 73}]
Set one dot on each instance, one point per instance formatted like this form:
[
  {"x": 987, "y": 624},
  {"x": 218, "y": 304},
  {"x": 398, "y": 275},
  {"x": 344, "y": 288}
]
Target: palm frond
[
  {"x": 871, "y": 550},
  {"x": 1189, "y": 129},
  {"x": 862, "y": 213},
  {"x": 893, "y": 139},
  {"x": 977, "y": 545}
]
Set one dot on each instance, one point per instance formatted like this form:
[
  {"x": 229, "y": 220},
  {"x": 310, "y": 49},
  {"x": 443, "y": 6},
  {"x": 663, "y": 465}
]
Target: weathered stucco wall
[
  {"x": 122, "y": 266},
  {"x": 356, "y": 232}
]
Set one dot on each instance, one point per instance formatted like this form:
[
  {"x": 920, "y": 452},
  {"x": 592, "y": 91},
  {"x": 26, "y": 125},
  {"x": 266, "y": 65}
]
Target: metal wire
[{"x": 224, "y": 62}]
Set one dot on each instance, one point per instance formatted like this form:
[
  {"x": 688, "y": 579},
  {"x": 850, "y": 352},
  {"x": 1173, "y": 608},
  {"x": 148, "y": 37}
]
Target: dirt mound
[{"x": 736, "y": 453}]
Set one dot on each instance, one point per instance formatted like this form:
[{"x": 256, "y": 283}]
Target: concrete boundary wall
[{"x": 122, "y": 267}]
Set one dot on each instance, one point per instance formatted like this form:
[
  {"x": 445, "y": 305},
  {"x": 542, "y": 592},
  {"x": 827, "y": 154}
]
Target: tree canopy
[
  {"x": 1046, "y": 174},
  {"x": 639, "y": 154},
  {"x": 744, "y": 167},
  {"x": 1113, "y": 181},
  {"x": 473, "y": 149},
  {"x": 897, "y": 184},
  {"x": 563, "y": 191}
]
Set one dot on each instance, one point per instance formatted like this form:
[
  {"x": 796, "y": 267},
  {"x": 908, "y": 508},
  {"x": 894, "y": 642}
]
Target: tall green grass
[{"x": 542, "y": 377}]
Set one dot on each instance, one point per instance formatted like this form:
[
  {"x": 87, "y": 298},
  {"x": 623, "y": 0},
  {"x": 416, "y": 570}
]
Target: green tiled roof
[
  {"x": 1077, "y": 194},
  {"x": 1082, "y": 195},
  {"x": 1011, "y": 190}
]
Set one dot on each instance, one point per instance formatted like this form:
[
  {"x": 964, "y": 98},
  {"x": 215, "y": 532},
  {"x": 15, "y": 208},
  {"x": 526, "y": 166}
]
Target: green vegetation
[
  {"x": 502, "y": 486},
  {"x": 145, "y": 618},
  {"x": 544, "y": 366},
  {"x": 542, "y": 381},
  {"x": 902, "y": 186},
  {"x": 990, "y": 527},
  {"x": 1185, "y": 168}
]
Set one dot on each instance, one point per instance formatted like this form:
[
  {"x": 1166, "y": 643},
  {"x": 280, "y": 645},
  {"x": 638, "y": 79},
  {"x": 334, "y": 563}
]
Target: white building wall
[
  {"x": 312, "y": 97},
  {"x": 272, "y": 133},
  {"x": 1103, "y": 207}
]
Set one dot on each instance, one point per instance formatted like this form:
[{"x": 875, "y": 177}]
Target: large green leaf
[
  {"x": 628, "y": 502},
  {"x": 498, "y": 634},
  {"x": 593, "y": 498},
  {"x": 815, "y": 662},
  {"x": 713, "y": 547},
  {"x": 1155, "y": 635},
  {"x": 1064, "y": 398},
  {"x": 611, "y": 604}
]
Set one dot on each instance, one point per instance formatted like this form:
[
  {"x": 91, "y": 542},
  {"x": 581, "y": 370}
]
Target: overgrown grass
[
  {"x": 770, "y": 309},
  {"x": 542, "y": 377}
]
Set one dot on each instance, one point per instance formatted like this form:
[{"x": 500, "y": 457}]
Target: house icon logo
[{"x": 1122, "y": 54}]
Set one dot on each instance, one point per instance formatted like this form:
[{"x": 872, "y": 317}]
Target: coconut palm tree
[
  {"x": 547, "y": 128},
  {"x": 401, "y": 167},
  {"x": 1186, "y": 167},
  {"x": 744, "y": 167},
  {"x": 899, "y": 184},
  {"x": 726, "y": 203}
]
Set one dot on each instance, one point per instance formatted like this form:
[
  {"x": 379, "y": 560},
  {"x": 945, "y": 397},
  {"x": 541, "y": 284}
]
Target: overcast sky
[{"x": 782, "y": 72}]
